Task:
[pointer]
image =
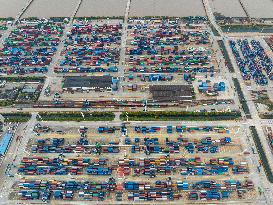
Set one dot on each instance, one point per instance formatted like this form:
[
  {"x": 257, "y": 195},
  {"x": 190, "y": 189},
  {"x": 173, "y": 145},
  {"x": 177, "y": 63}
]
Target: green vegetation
[
  {"x": 226, "y": 56},
  {"x": 76, "y": 116},
  {"x": 7, "y": 19},
  {"x": 23, "y": 79},
  {"x": 242, "y": 98},
  {"x": 248, "y": 28},
  {"x": 182, "y": 115},
  {"x": 16, "y": 117},
  {"x": 263, "y": 158},
  {"x": 6, "y": 103}
]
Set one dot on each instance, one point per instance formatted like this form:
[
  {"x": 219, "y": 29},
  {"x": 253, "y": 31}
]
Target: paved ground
[{"x": 24, "y": 131}]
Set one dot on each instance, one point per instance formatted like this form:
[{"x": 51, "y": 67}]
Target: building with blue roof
[{"x": 4, "y": 144}]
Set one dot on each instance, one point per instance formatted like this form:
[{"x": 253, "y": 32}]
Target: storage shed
[
  {"x": 4, "y": 144},
  {"x": 97, "y": 83},
  {"x": 171, "y": 93}
]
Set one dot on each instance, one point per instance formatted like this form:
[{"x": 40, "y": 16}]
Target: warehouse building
[
  {"x": 172, "y": 93},
  {"x": 4, "y": 143},
  {"x": 87, "y": 83}
]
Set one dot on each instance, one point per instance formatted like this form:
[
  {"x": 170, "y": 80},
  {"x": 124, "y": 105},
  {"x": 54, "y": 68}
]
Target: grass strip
[
  {"x": 16, "y": 117},
  {"x": 242, "y": 98},
  {"x": 262, "y": 154},
  {"x": 183, "y": 115},
  {"x": 76, "y": 116},
  {"x": 226, "y": 56}
]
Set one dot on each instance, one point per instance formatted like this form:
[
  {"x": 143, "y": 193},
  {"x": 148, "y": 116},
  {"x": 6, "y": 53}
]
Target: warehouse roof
[
  {"x": 4, "y": 144},
  {"x": 87, "y": 81},
  {"x": 171, "y": 92}
]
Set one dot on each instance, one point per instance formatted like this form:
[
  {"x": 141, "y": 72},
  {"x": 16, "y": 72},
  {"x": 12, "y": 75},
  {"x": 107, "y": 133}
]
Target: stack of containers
[
  {"x": 92, "y": 196},
  {"x": 29, "y": 195},
  {"x": 160, "y": 190},
  {"x": 98, "y": 171},
  {"x": 91, "y": 48},
  {"x": 106, "y": 129},
  {"x": 146, "y": 130},
  {"x": 255, "y": 60},
  {"x": 30, "y": 47},
  {"x": 61, "y": 166},
  {"x": 158, "y": 49},
  {"x": 50, "y": 147}
]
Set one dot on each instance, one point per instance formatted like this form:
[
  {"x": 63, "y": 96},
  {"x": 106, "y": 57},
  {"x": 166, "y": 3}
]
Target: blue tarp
[{"x": 4, "y": 144}]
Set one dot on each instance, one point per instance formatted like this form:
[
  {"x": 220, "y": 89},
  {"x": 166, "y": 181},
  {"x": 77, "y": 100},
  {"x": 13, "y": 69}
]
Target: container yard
[
  {"x": 169, "y": 51},
  {"x": 133, "y": 101},
  {"x": 104, "y": 38},
  {"x": 30, "y": 47},
  {"x": 134, "y": 191},
  {"x": 175, "y": 63},
  {"x": 111, "y": 163},
  {"x": 252, "y": 60},
  {"x": 163, "y": 59}
]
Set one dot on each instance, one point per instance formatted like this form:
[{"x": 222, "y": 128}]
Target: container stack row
[
  {"x": 152, "y": 145},
  {"x": 167, "y": 190},
  {"x": 145, "y": 166}
]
